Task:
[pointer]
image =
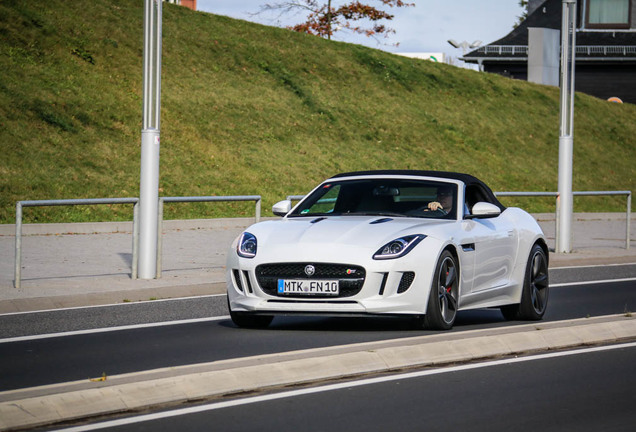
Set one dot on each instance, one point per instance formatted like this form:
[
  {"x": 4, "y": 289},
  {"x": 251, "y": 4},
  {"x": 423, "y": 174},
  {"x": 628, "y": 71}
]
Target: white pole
[
  {"x": 150, "y": 139},
  {"x": 565, "y": 202}
]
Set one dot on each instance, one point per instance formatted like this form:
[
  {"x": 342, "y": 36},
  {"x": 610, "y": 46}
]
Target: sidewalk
[{"x": 69, "y": 265}]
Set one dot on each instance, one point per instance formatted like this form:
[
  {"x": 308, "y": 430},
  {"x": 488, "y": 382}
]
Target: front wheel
[
  {"x": 534, "y": 297},
  {"x": 442, "y": 302}
]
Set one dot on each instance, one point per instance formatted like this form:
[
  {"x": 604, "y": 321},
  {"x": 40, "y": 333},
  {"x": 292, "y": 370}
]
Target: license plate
[{"x": 308, "y": 287}]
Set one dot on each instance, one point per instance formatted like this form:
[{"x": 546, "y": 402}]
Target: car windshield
[{"x": 381, "y": 197}]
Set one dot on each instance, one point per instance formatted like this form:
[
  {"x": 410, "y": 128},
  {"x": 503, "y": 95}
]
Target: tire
[
  {"x": 247, "y": 320},
  {"x": 442, "y": 302},
  {"x": 536, "y": 286}
]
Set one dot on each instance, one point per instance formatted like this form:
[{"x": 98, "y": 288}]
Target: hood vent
[{"x": 379, "y": 221}]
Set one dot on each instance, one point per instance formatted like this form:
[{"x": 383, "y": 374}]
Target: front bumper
[{"x": 387, "y": 288}]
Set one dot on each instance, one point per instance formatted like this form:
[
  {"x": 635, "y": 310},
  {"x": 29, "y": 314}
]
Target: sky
[{"x": 426, "y": 27}]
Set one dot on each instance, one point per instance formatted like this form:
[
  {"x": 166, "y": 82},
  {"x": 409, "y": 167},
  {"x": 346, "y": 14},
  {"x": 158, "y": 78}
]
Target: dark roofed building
[{"x": 605, "y": 47}]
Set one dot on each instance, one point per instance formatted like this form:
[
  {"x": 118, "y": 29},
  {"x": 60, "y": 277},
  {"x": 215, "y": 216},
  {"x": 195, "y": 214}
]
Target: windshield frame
[{"x": 391, "y": 190}]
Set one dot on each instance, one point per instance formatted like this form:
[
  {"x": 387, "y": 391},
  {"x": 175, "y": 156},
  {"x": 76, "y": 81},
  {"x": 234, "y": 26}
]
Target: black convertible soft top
[{"x": 467, "y": 179}]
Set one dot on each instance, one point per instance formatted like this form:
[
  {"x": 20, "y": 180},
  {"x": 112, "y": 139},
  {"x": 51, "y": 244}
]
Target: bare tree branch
[{"x": 324, "y": 20}]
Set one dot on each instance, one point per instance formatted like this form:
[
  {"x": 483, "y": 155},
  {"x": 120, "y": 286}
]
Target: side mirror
[
  {"x": 281, "y": 208},
  {"x": 485, "y": 210}
]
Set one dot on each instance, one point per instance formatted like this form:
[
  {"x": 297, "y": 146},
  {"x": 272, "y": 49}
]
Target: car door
[{"x": 494, "y": 241}]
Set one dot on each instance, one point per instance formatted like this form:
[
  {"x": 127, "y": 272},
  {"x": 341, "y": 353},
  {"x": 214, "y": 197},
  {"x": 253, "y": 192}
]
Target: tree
[
  {"x": 524, "y": 15},
  {"x": 324, "y": 19}
]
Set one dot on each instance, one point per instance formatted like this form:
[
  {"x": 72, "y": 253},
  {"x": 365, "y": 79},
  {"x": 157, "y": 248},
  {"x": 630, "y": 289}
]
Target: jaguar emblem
[{"x": 310, "y": 270}]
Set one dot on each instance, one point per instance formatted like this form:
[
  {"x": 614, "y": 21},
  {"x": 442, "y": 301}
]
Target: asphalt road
[
  {"x": 574, "y": 392},
  {"x": 58, "y": 321},
  {"x": 49, "y": 360}
]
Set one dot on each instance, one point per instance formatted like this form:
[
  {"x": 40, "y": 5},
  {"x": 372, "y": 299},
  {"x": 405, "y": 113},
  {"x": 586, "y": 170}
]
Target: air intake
[{"x": 406, "y": 281}]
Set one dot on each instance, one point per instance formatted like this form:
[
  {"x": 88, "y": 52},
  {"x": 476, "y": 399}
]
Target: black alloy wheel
[
  {"x": 442, "y": 301},
  {"x": 536, "y": 286}
]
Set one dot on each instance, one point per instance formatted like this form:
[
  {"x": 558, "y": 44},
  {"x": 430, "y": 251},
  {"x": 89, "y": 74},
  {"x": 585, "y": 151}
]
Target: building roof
[{"x": 616, "y": 44}]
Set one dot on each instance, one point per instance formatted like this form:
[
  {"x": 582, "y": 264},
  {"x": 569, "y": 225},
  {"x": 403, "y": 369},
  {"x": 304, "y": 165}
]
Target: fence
[
  {"x": 586, "y": 193},
  {"x": 257, "y": 216},
  {"x": 521, "y": 50},
  {"x": 135, "y": 201},
  {"x": 256, "y": 198},
  {"x": 91, "y": 201}
]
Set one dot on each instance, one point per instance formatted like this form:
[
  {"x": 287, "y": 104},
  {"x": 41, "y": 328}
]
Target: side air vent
[
  {"x": 384, "y": 278},
  {"x": 406, "y": 281},
  {"x": 237, "y": 279},
  {"x": 247, "y": 280}
]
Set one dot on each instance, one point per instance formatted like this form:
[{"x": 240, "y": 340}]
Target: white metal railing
[
  {"x": 256, "y": 198},
  {"x": 605, "y": 50},
  {"x": 135, "y": 233},
  {"x": 90, "y": 201},
  {"x": 623, "y": 50},
  {"x": 504, "y": 49},
  {"x": 585, "y": 193},
  {"x": 257, "y": 216}
]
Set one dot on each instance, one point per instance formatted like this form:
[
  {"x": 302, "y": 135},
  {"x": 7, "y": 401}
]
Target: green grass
[{"x": 249, "y": 109}]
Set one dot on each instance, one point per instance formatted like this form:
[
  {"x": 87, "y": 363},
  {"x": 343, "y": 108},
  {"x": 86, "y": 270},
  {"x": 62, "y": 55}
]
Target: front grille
[{"x": 350, "y": 277}]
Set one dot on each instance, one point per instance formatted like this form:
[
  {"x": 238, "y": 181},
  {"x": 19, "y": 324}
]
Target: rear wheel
[
  {"x": 442, "y": 302},
  {"x": 534, "y": 297},
  {"x": 247, "y": 320}
]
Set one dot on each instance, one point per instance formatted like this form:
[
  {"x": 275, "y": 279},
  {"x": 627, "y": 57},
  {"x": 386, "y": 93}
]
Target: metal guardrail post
[
  {"x": 257, "y": 210},
  {"x": 18, "y": 245},
  {"x": 135, "y": 245},
  {"x": 556, "y": 217},
  {"x": 629, "y": 217},
  {"x": 159, "y": 237}
]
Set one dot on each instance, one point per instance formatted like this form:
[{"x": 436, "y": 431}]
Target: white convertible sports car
[{"x": 424, "y": 244}]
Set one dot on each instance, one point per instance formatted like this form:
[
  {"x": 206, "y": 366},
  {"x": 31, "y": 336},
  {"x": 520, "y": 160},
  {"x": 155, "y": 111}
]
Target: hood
[{"x": 338, "y": 232}]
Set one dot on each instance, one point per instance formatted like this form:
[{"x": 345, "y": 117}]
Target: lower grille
[{"x": 350, "y": 278}]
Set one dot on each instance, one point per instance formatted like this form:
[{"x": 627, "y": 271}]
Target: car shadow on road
[{"x": 466, "y": 320}]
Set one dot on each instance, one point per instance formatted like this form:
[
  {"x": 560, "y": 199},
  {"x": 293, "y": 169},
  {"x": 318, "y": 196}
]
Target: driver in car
[{"x": 444, "y": 201}]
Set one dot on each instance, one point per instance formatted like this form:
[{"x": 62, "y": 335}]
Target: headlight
[
  {"x": 246, "y": 246},
  {"x": 398, "y": 247}
]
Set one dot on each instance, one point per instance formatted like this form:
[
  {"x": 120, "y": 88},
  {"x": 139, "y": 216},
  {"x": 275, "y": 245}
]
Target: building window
[{"x": 608, "y": 14}]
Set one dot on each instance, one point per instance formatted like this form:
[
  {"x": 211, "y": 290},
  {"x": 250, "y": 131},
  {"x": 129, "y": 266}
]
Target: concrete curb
[
  {"x": 45, "y": 405},
  {"x": 35, "y": 304}
]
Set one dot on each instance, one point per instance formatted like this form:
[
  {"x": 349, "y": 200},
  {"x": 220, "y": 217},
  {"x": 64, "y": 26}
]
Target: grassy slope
[{"x": 249, "y": 109}]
